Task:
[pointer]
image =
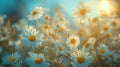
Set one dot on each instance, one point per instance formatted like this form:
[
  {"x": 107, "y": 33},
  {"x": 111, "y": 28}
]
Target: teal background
[{"x": 16, "y": 7}]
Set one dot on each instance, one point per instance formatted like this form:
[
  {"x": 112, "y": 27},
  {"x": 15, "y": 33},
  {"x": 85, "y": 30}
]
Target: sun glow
[{"x": 105, "y": 6}]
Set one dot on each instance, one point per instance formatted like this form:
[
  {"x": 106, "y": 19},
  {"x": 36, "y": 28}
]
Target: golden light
[{"x": 105, "y": 6}]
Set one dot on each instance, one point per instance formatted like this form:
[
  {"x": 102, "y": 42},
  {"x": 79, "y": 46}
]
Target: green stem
[{"x": 90, "y": 25}]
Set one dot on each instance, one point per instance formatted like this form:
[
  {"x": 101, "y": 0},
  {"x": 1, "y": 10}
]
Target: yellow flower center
[
  {"x": 73, "y": 41},
  {"x": 118, "y": 58},
  {"x": 4, "y": 35},
  {"x": 108, "y": 35},
  {"x": 39, "y": 60},
  {"x": 116, "y": 39},
  {"x": 114, "y": 23},
  {"x": 47, "y": 18},
  {"x": 46, "y": 26},
  {"x": 52, "y": 44},
  {"x": 95, "y": 19},
  {"x": 32, "y": 38},
  {"x": 102, "y": 50},
  {"x": 60, "y": 48},
  {"x": 62, "y": 28},
  {"x": 12, "y": 59},
  {"x": 34, "y": 13},
  {"x": 87, "y": 45},
  {"x": 42, "y": 46},
  {"x": 82, "y": 12},
  {"x": 106, "y": 28},
  {"x": 81, "y": 59}
]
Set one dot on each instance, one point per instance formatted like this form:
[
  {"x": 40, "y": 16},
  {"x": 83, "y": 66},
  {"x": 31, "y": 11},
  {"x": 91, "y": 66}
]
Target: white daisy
[
  {"x": 82, "y": 11},
  {"x": 36, "y": 60},
  {"x": 36, "y": 13},
  {"x": 73, "y": 41},
  {"x": 60, "y": 48},
  {"x": 81, "y": 59},
  {"x": 31, "y": 37},
  {"x": 103, "y": 50},
  {"x": 116, "y": 39},
  {"x": 116, "y": 58},
  {"x": 12, "y": 58},
  {"x": 89, "y": 44}
]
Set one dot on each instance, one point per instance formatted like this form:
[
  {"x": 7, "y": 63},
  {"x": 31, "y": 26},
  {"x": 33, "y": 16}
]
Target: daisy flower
[
  {"x": 116, "y": 58},
  {"x": 36, "y": 13},
  {"x": 2, "y": 18},
  {"x": 4, "y": 34},
  {"x": 42, "y": 47},
  {"x": 31, "y": 37},
  {"x": 82, "y": 11},
  {"x": 95, "y": 19},
  {"x": 107, "y": 28},
  {"x": 73, "y": 41},
  {"x": 116, "y": 39},
  {"x": 36, "y": 60},
  {"x": 61, "y": 27},
  {"x": 46, "y": 28},
  {"x": 60, "y": 48},
  {"x": 103, "y": 50},
  {"x": 47, "y": 17},
  {"x": 12, "y": 58},
  {"x": 17, "y": 44},
  {"x": 81, "y": 59},
  {"x": 89, "y": 44}
]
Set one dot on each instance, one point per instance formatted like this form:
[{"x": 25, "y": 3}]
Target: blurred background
[{"x": 16, "y": 9}]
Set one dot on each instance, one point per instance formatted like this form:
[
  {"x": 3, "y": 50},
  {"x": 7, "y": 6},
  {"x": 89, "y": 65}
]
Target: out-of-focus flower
[
  {"x": 73, "y": 41},
  {"x": 89, "y": 44},
  {"x": 4, "y": 34},
  {"x": 36, "y": 13},
  {"x": 103, "y": 50},
  {"x": 16, "y": 27},
  {"x": 2, "y": 18},
  {"x": 42, "y": 47},
  {"x": 95, "y": 19},
  {"x": 116, "y": 57},
  {"x": 31, "y": 37},
  {"x": 12, "y": 58},
  {"x": 115, "y": 23},
  {"x": 46, "y": 28},
  {"x": 47, "y": 17},
  {"x": 107, "y": 27},
  {"x": 17, "y": 44},
  {"x": 116, "y": 39},
  {"x": 11, "y": 43},
  {"x": 61, "y": 27},
  {"x": 36, "y": 60},
  {"x": 60, "y": 48},
  {"x": 22, "y": 22},
  {"x": 82, "y": 11},
  {"x": 81, "y": 59}
]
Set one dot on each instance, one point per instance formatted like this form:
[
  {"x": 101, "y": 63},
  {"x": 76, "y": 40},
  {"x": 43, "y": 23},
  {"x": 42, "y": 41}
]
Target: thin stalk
[{"x": 90, "y": 25}]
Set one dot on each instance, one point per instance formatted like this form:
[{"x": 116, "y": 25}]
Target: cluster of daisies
[{"x": 54, "y": 42}]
